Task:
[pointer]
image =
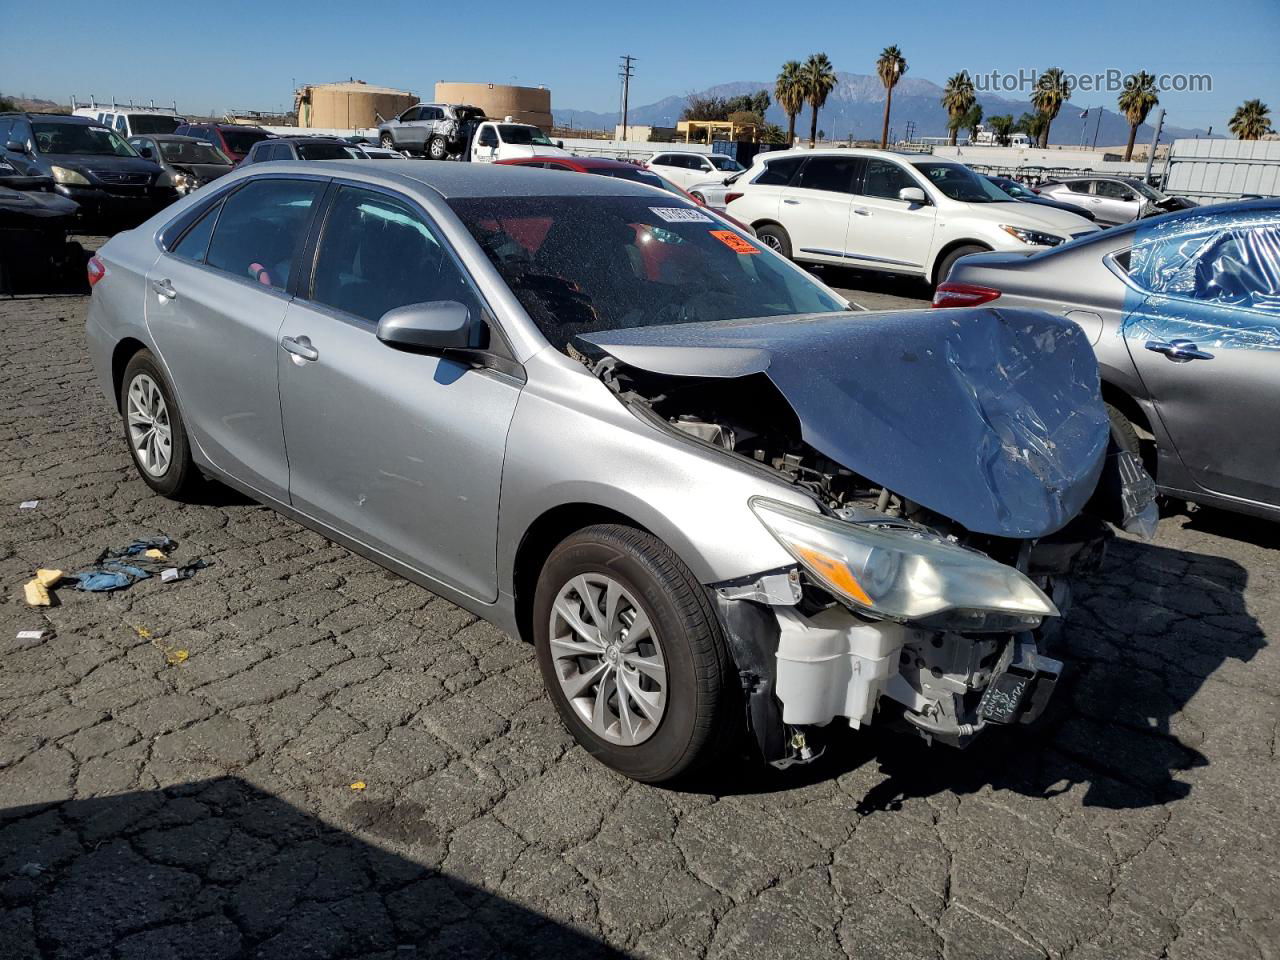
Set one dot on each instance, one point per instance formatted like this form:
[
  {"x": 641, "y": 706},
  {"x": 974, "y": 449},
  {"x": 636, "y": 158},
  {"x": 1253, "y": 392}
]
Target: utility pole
[
  {"x": 1154, "y": 140},
  {"x": 626, "y": 72}
]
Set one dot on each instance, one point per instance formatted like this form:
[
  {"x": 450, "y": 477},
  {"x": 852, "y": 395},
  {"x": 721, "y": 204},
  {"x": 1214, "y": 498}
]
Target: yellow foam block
[
  {"x": 154, "y": 554},
  {"x": 37, "y": 593},
  {"x": 48, "y": 578}
]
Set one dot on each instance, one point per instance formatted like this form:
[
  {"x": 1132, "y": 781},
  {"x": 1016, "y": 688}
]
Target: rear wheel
[
  {"x": 775, "y": 237},
  {"x": 437, "y": 149},
  {"x": 154, "y": 429},
  {"x": 1123, "y": 431},
  {"x": 632, "y": 653},
  {"x": 947, "y": 262}
]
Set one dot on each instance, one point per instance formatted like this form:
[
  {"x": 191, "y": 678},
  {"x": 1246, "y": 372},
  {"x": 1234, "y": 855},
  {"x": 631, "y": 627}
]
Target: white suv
[
  {"x": 900, "y": 212},
  {"x": 687, "y": 169}
]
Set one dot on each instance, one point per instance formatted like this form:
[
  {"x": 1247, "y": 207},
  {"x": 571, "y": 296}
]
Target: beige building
[
  {"x": 525, "y": 104},
  {"x": 353, "y": 105}
]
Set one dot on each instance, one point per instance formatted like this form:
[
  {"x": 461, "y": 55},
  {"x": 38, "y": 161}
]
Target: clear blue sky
[{"x": 235, "y": 54}]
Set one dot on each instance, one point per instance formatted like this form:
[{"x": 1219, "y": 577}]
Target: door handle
[
  {"x": 1179, "y": 351},
  {"x": 862, "y": 211},
  {"x": 164, "y": 288},
  {"x": 790, "y": 201},
  {"x": 300, "y": 347}
]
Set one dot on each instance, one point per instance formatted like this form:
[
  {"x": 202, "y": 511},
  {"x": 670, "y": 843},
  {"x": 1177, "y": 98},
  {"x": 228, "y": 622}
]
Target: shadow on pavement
[
  {"x": 1143, "y": 636},
  {"x": 218, "y": 869}
]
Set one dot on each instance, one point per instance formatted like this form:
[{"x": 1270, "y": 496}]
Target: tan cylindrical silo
[
  {"x": 524, "y": 104},
  {"x": 353, "y": 106}
]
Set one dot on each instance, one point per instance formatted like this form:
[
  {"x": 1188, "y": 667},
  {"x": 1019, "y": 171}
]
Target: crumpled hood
[{"x": 990, "y": 417}]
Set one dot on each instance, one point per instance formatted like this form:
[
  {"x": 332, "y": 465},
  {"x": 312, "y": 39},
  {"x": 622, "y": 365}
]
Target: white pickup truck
[{"x": 506, "y": 140}]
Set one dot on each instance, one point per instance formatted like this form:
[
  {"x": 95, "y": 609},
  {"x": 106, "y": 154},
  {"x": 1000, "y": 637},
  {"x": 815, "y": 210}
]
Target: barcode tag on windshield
[{"x": 681, "y": 215}]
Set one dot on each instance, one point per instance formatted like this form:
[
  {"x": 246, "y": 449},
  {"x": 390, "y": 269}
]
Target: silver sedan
[{"x": 725, "y": 509}]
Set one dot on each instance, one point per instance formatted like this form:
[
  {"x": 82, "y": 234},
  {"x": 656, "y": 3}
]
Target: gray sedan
[
  {"x": 716, "y": 501},
  {"x": 1183, "y": 311}
]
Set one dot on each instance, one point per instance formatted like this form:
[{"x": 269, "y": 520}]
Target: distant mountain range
[{"x": 856, "y": 106}]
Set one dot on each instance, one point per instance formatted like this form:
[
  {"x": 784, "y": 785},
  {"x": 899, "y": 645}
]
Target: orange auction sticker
[{"x": 734, "y": 242}]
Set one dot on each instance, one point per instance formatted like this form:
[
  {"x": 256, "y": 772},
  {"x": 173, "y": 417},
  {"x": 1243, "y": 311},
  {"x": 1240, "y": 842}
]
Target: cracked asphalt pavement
[{"x": 180, "y": 764}]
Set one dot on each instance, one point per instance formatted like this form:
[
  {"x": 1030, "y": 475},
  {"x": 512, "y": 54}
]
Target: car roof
[
  {"x": 167, "y": 138},
  {"x": 453, "y": 181},
  {"x": 54, "y": 117},
  {"x": 852, "y": 152}
]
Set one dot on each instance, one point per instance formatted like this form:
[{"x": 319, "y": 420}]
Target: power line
[{"x": 626, "y": 72}]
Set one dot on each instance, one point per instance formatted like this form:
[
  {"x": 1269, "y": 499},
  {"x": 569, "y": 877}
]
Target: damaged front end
[{"x": 961, "y": 472}]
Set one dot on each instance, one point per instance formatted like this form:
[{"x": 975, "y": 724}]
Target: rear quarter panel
[{"x": 118, "y": 301}]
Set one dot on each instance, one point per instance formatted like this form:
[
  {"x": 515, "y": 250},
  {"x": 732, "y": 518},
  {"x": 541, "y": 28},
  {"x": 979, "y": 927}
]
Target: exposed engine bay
[{"x": 808, "y": 653}]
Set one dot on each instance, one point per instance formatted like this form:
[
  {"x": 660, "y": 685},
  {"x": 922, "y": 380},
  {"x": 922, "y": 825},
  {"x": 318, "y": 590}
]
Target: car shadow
[
  {"x": 218, "y": 868},
  {"x": 872, "y": 281},
  {"x": 1143, "y": 636},
  {"x": 66, "y": 276}
]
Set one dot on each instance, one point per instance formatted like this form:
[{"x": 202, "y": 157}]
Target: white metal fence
[{"x": 1213, "y": 171}]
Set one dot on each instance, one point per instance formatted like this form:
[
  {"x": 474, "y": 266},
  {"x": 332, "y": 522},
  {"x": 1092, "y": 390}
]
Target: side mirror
[
  {"x": 560, "y": 144},
  {"x": 913, "y": 195},
  {"x": 15, "y": 146},
  {"x": 427, "y": 327}
]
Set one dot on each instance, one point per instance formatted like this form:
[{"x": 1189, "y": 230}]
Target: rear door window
[
  {"x": 261, "y": 230},
  {"x": 832, "y": 174},
  {"x": 1114, "y": 190},
  {"x": 378, "y": 253},
  {"x": 195, "y": 243},
  {"x": 778, "y": 173}
]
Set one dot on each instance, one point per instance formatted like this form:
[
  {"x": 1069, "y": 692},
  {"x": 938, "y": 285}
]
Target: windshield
[
  {"x": 584, "y": 264},
  {"x": 1012, "y": 187},
  {"x": 180, "y": 151},
  {"x": 242, "y": 140},
  {"x": 961, "y": 183},
  {"x": 329, "y": 151},
  {"x": 81, "y": 139},
  {"x": 725, "y": 163},
  {"x": 1151, "y": 193},
  {"x": 154, "y": 123},
  {"x": 520, "y": 134}
]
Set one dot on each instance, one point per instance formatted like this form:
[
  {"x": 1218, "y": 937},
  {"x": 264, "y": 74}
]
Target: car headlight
[
  {"x": 903, "y": 575},
  {"x": 68, "y": 176},
  {"x": 1036, "y": 238}
]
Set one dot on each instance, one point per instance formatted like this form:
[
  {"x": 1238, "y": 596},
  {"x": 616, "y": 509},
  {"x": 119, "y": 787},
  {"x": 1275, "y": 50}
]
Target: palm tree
[
  {"x": 818, "y": 78},
  {"x": 1052, "y": 91},
  {"x": 1135, "y": 102},
  {"x": 789, "y": 92},
  {"x": 1251, "y": 121},
  {"x": 1001, "y": 126},
  {"x": 957, "y": 98},
  {"x": 891, "y": 65},
  {"x": 972, "y": 120}
]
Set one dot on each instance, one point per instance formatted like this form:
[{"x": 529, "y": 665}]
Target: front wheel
[
  {"x": 437, "y": 149},
  {"x": 633, "y": 654},
  {"x": 387, "y": 142},
  {"x": 775, "y": 238},
  {"x": 154, "y": 429}
]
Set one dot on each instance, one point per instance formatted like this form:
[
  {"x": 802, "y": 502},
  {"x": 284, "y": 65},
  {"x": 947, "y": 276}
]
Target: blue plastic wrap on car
[{"x": 990, "y": 417}]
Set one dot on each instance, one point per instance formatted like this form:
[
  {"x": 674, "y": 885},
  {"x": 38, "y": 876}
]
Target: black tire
[
  {"x": 387, "y": 142},
  {"x": 699, "y": 197},
  {"x": 776, "y": 238},
  {"x": 181, "y": 476},
  {"x": 437, "y": 148},
  {"x": 1122, "y": 430},
  {"x": 947, "y": 262},
  {"x": 699, "y": 713}
]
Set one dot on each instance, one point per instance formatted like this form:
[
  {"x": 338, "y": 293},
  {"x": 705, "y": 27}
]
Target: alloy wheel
[
  {"x": 150, "y": 433},
  {"x": 608, "y": 659},
  {"x": 770, "y": 241}
]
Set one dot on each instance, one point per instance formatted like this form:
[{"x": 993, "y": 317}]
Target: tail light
[
  {"x": 96, "y": 270},
  {"x": 730, "y": 197},
  {"x": 963, "y": 295}
]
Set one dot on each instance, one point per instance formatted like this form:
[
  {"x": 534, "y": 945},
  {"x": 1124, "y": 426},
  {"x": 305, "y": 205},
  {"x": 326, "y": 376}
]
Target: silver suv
[
  {"x": 435, "y": 130},
  {"x": 713, "y": 498}
]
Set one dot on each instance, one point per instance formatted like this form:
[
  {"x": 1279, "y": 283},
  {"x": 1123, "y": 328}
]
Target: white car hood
[{"x": 1036, "y": 217}]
